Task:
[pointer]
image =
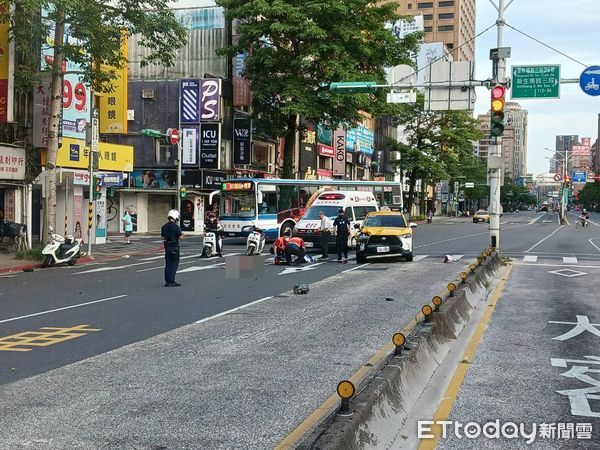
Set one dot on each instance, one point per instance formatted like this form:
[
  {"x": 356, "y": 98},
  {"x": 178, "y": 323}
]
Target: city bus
[{"x": 275, "y": 205}]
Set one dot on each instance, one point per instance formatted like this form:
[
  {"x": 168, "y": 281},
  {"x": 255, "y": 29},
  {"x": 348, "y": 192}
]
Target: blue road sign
[
  {"x": 589, "y": 80},
  {"x": 579, "y": 177}
]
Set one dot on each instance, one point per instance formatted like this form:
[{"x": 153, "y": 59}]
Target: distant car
[
  {"x": 385, "y": 233},
  {"x": 481, "y": 216},
  {"x": 544, "y": 208}
]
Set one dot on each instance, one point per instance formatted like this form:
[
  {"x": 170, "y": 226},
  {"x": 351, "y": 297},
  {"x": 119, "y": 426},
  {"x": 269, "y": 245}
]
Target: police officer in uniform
[{"x": 171, "y": 233}]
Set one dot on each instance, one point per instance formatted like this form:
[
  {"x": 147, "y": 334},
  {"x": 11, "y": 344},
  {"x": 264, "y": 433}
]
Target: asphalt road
[{"x": 158, "y": 366}]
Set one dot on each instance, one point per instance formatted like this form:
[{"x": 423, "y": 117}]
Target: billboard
[
  {"x": 113, "y": 106},
  {"x": 111, "y": 157}
]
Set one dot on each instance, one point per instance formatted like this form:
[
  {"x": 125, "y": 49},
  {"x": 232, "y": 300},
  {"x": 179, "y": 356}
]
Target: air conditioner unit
[{"x": 148, "y": 93}]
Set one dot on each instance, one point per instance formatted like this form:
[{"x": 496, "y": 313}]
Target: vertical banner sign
[
  {"x": 190, "y": 104},
  {"x": 113, "y": 106},
  {"x": 210, "y": 136},
  {"x": 210, "y": 93},
  {"x": 339, "y": 145},
  {"x": 242, "y": 137},
  {"x": 189, "y": 146},
  {"x": 4, "y": 72},
  {"x": 41, "y": 111}
]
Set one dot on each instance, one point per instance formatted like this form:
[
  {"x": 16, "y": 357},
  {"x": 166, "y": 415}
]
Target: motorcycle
[
  {"x": 61, "y": 249},
  {"x": 209, "y": 246},
  {"x": 255, "y": 241}
]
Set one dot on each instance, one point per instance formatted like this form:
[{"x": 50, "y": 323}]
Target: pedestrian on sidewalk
[
  {"x": 341, "y": 228},
  {"x": 171, "y": 233},
  {"x": 127, "y": 226},
  {"x": 325, "y": 229}
]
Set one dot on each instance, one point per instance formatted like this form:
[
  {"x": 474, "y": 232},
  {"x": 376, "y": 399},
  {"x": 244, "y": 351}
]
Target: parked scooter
[
  {"x": 209, "y": 246},
  {"x": 255, "y": 241},
  {"x": 60, "y": 250}
]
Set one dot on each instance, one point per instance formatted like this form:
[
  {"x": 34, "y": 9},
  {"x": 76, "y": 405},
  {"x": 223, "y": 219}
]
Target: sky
[{"x": 569, "y": 26}]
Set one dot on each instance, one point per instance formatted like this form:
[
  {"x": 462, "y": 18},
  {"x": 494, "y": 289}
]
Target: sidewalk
[{"x": 113, "y": 249}]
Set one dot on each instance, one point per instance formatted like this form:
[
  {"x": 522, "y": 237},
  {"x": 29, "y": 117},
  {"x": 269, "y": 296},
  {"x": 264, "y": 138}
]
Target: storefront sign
[
  {"x": 210, "y": 93},
  {"x": 189, "y": 146},
  {"x": 326, "y": 150},
  {"x": 113, "y": 105},
  {"x": 339, "y": 145},
  {"x": 349, "y": 158},
  {"x": 324, "y": 174},
  {"x": 153, "y": 179},
  {"x": 12, "y": 163},
  {"x": 111, "y": 157},
  {"x": 212, "y": 179},
  {"x": 242, "y": 137},
  {"x": 112, "y": 179},
  {"x": 4, "y": 70},
  {"x": 360, "y": 138},
  {"x": 190, "y": 101},
  {"x": 237, "y": 186},
  {"x": 81, "y": 178},
  {"x": 210, "y": 137}
]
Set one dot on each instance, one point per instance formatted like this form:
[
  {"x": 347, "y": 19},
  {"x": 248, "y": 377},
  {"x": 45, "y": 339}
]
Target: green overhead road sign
[
  {"x": 353, "y": 87},
  {"x": 535, "y": 82}
]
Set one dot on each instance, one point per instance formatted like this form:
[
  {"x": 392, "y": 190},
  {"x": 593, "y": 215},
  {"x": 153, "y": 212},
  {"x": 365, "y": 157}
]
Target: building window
[
  {"x": 450, "y": 46},
  {"x": 425, "y": 5},
  {"x": 446, "y": 16},
  {"x": 427, "y": 16},
  {"x": 446, "y": 28},
  {"x": 410, "y": 6},
  {"x": 446, "y": 4},
  {"x": 428, "y": 29}
]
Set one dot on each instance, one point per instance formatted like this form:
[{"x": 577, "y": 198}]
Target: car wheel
[
  {"x": 287, "y": 229},
  {"x": 409, "y": 258},
  {"x": 360, "y": 258},
  {"x": 475, "y": 220}
]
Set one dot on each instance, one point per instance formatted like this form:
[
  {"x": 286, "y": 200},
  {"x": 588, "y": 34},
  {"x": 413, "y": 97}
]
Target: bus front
[{"x": 238, "y": 207}]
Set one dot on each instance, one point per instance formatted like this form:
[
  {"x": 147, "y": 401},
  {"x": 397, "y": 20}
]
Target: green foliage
[
  {"x": 439, "y": 144},
  {"x": 513, "y": 196},
  {"x": 33, "y": 254},
  {"x": 475, "y": 173},
  {"x": 94, "y": 29},
  {"x": 589, "y": 196},
  {"x": 295, "y": 46}
]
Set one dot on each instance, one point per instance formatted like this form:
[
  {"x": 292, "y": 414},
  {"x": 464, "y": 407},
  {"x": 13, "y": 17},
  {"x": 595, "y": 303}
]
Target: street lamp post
[{"x": 565, "y": 171}]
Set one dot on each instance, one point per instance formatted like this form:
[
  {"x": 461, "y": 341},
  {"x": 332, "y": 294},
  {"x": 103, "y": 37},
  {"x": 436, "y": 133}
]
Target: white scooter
[
  {"x": 255, "y": 241},
  {"x": 60, "y": 250},
  {"x": 209, "y": 246}
]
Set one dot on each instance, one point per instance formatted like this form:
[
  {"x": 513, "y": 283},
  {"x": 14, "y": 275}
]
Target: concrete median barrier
[{"x": 386, "y": 397}]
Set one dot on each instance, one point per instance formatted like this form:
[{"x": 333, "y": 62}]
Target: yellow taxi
[
  {"x": 384, "y": 234},
  {"x": 481, "y": 216}
]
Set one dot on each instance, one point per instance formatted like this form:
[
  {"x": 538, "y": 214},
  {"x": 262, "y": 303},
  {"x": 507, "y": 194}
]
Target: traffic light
[
  {"x": 97, "y": 189},
  {"x": 497, "y": 111},
  {"x": 182, "y": 192}
]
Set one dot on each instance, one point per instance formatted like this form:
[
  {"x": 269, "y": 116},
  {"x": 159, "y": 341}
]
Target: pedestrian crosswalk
[{"x": 558, "y": 260}]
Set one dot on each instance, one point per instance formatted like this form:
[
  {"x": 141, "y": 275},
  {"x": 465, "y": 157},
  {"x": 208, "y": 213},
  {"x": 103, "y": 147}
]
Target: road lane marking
[
  {"x": 445, "y": 407},
  {"x": 49, "y": 336},
  {"x": 538, "y": 243},
  {"x": 197, "y": 268},
  {"x": 419, "y": 257},
  {"x": 532, "y": 221},
  {"x": 12, "y": 319},
  {"x": 354, "y": 268},
  {"x": 591, "y": 241},
  {"x": 530, "y": 258},
  {"x": 579, "y": 266},
  {"x": 297, "y": 269},
  {"x": 229, "y": 311},
  {"x": 570, "y": 260},
  {"x": 105, "y": 269}
]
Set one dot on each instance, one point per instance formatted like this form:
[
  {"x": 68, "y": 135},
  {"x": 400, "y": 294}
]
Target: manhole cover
[{"x": 568, "y": 273}]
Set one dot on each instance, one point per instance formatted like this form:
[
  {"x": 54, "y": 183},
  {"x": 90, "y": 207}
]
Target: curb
[{"x": 385, "y": 399}]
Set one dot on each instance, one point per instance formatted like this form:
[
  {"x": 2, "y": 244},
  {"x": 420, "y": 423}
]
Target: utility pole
[{"x": 495, "y": 170}]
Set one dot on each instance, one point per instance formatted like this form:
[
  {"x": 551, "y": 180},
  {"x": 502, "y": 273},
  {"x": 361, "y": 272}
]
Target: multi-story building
[
  {"x": 596, "y": 151},
  {"x": 516, "y": 118},
  {"x": 450, "y": 22},
  {"x": 563, "y": 148}
]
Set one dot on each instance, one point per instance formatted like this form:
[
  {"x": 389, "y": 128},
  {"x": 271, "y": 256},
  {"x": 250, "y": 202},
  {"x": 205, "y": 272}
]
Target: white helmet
[{"x": 173, "y": 214}]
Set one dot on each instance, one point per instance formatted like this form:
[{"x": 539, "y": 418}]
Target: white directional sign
[{"x": 402, "y": 97}]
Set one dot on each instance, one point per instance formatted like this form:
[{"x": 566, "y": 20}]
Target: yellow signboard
[
  {"x": 4, "y": 50},
  {"x": 111, "y": 157},
  {"x": 113, "y": 105}
]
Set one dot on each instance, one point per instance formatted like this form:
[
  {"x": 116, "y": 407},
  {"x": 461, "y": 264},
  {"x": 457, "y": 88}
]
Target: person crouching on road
[
  {"x": 171, "y": 233},
  {"x": 341, "y": 226},
  {"x": 295, "y": 247}
]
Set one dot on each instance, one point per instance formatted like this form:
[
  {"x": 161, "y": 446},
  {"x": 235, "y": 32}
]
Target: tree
[
  {"x": 438, "y": 144},
  {"x": 95, "y": 29},
  {"x": 295, "y": 47},
  {"x": 589, "y": 196}
]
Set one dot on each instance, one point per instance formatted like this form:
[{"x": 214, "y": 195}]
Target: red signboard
[
  {"x": 326, "y": 150},
  {"x": 325, "y": 173}
]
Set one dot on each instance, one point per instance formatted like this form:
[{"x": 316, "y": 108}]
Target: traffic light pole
[{"x": 495, "y": 172}]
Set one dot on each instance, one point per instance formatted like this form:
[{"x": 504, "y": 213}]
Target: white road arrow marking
[
  {"x": 289, "y": 270},
  {"x": 196, "y": 268},
  {"x": 105, "y": 269}
]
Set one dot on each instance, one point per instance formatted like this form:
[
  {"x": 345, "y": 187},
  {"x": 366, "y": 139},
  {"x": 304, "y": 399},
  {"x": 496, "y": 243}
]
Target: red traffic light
[{"x": 498, "y": 92}]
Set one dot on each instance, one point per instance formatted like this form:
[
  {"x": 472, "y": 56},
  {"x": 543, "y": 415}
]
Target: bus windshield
[
  {"x": 312, "y": 213},
  {"x": 238, "y": 204}
]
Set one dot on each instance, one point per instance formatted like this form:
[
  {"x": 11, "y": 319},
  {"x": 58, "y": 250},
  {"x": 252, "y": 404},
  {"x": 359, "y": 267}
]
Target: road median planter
[{"x": 387, "y": 395}]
